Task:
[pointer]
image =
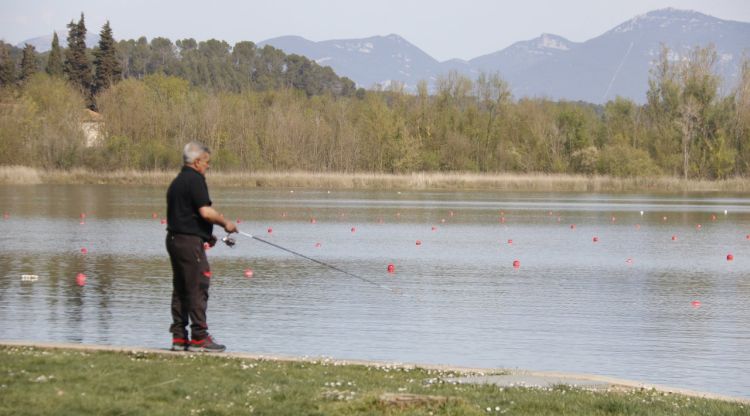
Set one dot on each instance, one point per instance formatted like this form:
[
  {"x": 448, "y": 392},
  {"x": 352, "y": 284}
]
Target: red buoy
[
  {"x": 629, "y": 261},
  {"x": 81, "y": 279},
  {"x": 354, "y": 229},
  {"x": 313, "y": 221},
  {"x": 502, "y": 220},
  {"x": 638, "y": 226},
  {"x": 572, "y": 226},
  {"x": 674, "y": 238},
  {"x": 154, "y": 216},
  {"x": 419, "y": 242},
  {"x": 696, "y": 304},
  {"x": 270, "y": 230},
  {"x": 239, "y": 221},
  {"x": 516, "y": 264},
  {"x": 698, "y": 226},
  {"x": 248, "y": 273},
  {"x": 83, "y": 215},
  {"x": 163, "y": 221},
  {"x": 435, "y": 229},
  {"x": 84, "y": 250},
  {"x": 6, "y": 215},
  {"x": 317, "y": 245},
  {"x": 747, "y": 237},
  {"x": 595, "y": 239},
  {"x": 391, "y": 268},
  {"x": 510, "y": 241},
  {"x": 730, "y": 257}
]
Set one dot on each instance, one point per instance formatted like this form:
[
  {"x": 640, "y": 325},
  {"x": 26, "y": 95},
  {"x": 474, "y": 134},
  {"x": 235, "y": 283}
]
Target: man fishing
[{"x": 190, "y": 221}]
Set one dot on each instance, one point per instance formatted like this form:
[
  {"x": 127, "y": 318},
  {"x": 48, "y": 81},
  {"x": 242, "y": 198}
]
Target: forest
[{"x": 263, "y": 110}]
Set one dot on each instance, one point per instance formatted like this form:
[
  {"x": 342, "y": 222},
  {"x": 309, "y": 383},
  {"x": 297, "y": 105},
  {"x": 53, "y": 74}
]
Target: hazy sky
[{"x": 443, "y": 28}]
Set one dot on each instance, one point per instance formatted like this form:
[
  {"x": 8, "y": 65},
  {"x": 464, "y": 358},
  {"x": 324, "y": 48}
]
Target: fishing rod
[{"x": 230, "y": 242}]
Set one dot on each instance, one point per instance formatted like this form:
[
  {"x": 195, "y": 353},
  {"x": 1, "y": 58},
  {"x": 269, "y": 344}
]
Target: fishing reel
[{"x": 229, "y": 241}]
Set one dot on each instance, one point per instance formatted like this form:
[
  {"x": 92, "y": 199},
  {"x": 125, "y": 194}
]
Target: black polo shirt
[{"x": 185, "y": 196}]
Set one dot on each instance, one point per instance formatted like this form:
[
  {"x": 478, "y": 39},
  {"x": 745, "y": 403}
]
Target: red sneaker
[
  {"x": 180, "y": 344},
  {"x": 205, "y": 345}
]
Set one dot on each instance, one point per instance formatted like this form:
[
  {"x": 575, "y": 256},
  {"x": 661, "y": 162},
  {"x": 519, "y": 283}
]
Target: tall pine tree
[
  {"x": 28, "y": 63},
  {"x": 108, "y": 69},
  {"x": 54, "y": 61},
  {"x": 77, "y": 65},
  {"x": 7, "y": 66}
]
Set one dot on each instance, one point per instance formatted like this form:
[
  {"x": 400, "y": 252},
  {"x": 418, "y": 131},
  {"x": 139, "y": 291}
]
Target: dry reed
[{"x": 21, "y": 175}]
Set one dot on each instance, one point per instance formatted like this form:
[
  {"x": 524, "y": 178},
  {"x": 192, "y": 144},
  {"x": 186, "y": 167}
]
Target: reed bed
[{"x": 449, "y": 181}]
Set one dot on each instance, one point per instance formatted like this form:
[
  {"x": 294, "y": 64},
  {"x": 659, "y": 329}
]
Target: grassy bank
[
  {"x": 413, "y": 181},
  {"x": 36, "y": 381}
]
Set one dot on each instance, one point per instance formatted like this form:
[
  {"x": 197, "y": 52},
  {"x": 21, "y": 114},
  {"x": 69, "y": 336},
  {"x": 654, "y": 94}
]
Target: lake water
[{"x": 624, "y": 306}]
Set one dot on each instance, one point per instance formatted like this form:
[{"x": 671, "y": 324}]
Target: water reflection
[{"x": 574, "y": 304}]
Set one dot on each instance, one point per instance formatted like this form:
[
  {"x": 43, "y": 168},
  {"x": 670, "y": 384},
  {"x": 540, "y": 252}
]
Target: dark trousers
[{"x": 191, "y": 277}]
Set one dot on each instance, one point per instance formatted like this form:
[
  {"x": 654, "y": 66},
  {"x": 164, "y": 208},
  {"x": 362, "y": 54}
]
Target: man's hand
[
  {"x": 230, "y": 227},
  {"x": 212, "y": 241}
]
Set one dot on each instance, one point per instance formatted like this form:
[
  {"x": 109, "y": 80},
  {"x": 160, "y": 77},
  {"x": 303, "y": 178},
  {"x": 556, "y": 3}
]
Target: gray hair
[{"x": 193, "y": 151}]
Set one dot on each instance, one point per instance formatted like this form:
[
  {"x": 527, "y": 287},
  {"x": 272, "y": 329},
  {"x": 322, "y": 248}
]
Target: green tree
[
  {"x": 161, "y": 57},
  {"x": 54, "y": 60},
  {"x": 494, "y": 96},
  {"x": 699, "y": 92},
  {"x": 7, "y": 66},
  {"x": 662, "y": 109},
  {"x": 108, "y": 69},
  {"x": 741, "y": 118},
  {"x": 682, "y": 102},
  {"x": 28, "y": 63},
  {"x": 77, "y": 65}
]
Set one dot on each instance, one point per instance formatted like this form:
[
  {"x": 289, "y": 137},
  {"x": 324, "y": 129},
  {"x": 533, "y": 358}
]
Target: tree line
[
  {"x": 211, "y": 64},
  {"x": 685, "y": 129}
]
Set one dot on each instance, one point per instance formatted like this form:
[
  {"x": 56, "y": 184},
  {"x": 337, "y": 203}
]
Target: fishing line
[{"x": 322, "y": 263}]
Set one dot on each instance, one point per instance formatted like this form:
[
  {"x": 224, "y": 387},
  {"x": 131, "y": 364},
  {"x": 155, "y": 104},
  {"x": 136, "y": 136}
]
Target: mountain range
[{"x": 615, "y": 63}]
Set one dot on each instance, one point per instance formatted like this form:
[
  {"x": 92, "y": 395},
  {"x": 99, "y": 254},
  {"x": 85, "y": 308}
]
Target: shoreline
[
  {"x": 486, "y": 375},
  {"x": 445, "y": 181}
]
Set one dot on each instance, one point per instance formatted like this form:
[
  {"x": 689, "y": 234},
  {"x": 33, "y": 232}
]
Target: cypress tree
[
  {"x": 28, "y": 62},
  {"x": 77, "y": 65},
  {"x": 108, "y": 69},
  {"x": 54, "y": 61},
  {"x": 7, "y": 66}
]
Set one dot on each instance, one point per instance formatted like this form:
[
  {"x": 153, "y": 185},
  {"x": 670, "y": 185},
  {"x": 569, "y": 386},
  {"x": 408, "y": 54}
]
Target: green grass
[{"x": 35, "y": 381}]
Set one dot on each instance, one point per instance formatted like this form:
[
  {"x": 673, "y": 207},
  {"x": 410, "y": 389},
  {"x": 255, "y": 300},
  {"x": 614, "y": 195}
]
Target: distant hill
[
  {"x": 614, "y": 63},
  {"x": 374, "y": 60}
]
